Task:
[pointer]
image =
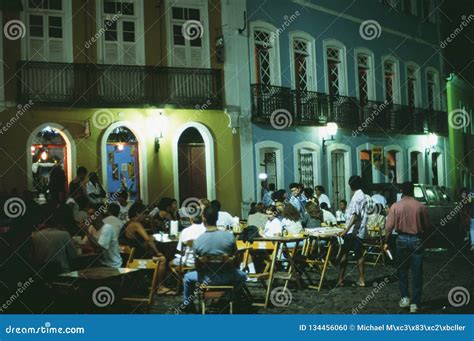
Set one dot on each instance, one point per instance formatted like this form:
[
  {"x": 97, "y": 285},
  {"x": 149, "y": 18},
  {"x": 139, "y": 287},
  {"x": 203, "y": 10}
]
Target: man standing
[
  {"x": 410, "y": 219},
  {"x": 354, "y": 233},
  {"x": 297, "y": 198}
]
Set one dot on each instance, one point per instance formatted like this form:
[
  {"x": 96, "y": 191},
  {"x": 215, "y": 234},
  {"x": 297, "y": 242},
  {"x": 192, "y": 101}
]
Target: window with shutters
[
  {"x": 306, "y": 168},
  {"x": 46, "y": 32},
  {"x": 303, "y": 64},
  {"x": 432, "y": 88},
  {"x": 120, "y": 19},
  {"x": 333, "y": 69},
  {"x": 413, "y": 84},
  {"x": 263, "y": 57},
  {"x": 187, "y": 26},
  {"x": 365, "y": 77},
  {"x": 391, "y": 82}
]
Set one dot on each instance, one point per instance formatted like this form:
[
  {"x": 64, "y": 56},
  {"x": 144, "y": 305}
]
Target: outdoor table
[
  {"x": 99, "y": 273},
  {"x": 315, "y": 236},
  {"x": 281, "y": 242}
]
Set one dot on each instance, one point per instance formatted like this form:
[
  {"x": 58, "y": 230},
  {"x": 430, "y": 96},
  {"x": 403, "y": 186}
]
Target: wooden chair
[
  {"x": 214, "y": 292},
  {"x": 149, "y": 264},
  {"x": 179, "y": 270},
  {"x": 127, "y": 253},
  {"x": 373, "y": 246}
]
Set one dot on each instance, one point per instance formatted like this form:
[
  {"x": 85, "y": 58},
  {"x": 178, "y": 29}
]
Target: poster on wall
[
  {"x": 115, "y": 172},
  {"x": 131, "y": 170},
  {"x": 110, "y": 158}
]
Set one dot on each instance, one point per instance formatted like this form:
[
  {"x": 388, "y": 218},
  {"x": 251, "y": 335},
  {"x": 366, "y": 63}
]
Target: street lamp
[
  {"x": 329, "y": 130},
  {"x": 431, "y": 142},
  {"x": 159, "y": 126}
]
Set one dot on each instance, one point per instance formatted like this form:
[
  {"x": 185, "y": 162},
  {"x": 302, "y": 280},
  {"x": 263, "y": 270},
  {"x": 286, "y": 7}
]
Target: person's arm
[
  {"x": 389, "y": 226},
  {"x": 96, "y": 246}
]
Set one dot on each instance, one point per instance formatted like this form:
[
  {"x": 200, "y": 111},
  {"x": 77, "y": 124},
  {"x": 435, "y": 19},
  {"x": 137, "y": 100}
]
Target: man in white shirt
[
  {"x": 321, "y": 195},
  {"x": 341, "y": 212},
  {"x": 355, "y": 231},
  {"x": 112, "y": 219},
  {"x": 328, "y": 217},
  {"x": 224, "y": 218},
  {"x": 186, "y": 238},
  {"x": 273, "y": 225},
  {"x": 124, "y": 206},
  {"x": 107, "y": 242}
]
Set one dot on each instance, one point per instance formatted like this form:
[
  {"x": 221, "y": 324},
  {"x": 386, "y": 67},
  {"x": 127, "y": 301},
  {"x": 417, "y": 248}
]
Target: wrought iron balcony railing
[
  {"x": 315, "y": 108},
  {"x": 90, "y": 85}
]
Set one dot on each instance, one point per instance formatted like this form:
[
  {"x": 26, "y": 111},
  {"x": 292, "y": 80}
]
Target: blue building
[{"x": 295, "y": 69}]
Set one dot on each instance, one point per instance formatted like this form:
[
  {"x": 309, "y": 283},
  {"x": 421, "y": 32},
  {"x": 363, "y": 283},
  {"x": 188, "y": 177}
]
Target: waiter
[{"x": 410, "y": 219}]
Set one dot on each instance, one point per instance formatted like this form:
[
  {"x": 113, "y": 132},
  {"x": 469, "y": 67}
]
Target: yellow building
[{"x": 132, "y": 90}]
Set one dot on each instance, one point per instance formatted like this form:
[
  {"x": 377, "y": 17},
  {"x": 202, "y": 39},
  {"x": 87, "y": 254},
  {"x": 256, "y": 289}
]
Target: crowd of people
[{"x": 87, "y": 219}]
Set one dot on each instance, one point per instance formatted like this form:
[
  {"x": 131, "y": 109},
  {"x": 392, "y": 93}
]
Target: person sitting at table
[
  {"x": 291, "y": 221},
  {"x": 95, "y": 191},
  {"x": 279, "y": 196},
  {"x": 186, "y": 238},
  {"x": 328, "y": 217},
  {"x": 341, "y": 212},
  {"x": 105, "y": 242},
  {"x": 136, "y": 236},
  {"x": 309, "y": 194},
  {"x": 77, "y": 187},
  {"x": 313, "y": 216},
  {"x": 212, "y": 242},
  {"x": 258, "y": 217},
  {"x": 224, "y": 218},
  {"x": 280, "y": 207},
  {"x": 163, "y": 214},
  {"x": 273, "y": 225},
  {"x": 52, "y": 248},
  {"x": 297, "y": 198},
  {"x": 113, "y": 212},
  {"x": 321, "y": 196}
]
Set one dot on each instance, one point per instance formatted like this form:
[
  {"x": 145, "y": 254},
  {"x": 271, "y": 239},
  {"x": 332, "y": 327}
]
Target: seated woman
[
  {"x": 313, "y": 216},
  {"x": 257, "y": 217},
  {"x": 291, "y": 220},
  {"x": 136, "y": 236}
]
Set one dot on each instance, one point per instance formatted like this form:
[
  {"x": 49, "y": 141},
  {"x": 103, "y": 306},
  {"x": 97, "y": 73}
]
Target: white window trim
[
  {"x": 274, "y": 55},
  {"x": 204, "y": 12},
  {"x": 375, "y": 171},
  {"x": 278, "y": 147},
  {"x": 312, "y": 75},
  {"x": 316, "y": 151},
  {"x": 437, "y": 102},
  {"x": 400, "y": 162},
  {"x": 67, "y": 31},
  {"x": 396, "y": 86},
  {"x": 418, "y": 98},
  {"x": 371, "y": 78},
  {"x": 343, "y": 91},
  {"x": 348, "y": 167},
  {"x": 441, "y": 166},
  {"x": 139, "y": 33},
  {"x": 209, "y": 157},
  {"x": 422, "y": 169},
  {"x": 142, "y": 155},
  {"x": 70, "y": 146}
]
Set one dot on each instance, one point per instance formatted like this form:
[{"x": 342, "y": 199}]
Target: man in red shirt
[{"x": 410, "y": 219}]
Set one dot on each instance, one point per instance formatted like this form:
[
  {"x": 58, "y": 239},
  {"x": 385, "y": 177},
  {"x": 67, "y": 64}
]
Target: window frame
[
  {"x": 312, "y": 72},
  {"x": 437, "y": 95},
  {"x": 418, "y": 101},
  {"x": 396, "y": 85}
]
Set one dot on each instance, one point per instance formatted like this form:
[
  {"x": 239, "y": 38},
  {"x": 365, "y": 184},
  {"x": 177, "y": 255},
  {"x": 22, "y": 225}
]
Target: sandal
[{"x": 165, "y": 291}]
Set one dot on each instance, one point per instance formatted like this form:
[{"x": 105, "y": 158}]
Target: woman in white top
[
  {"x": 273, "y": 224},
  {"x": 291, "y": 220}
]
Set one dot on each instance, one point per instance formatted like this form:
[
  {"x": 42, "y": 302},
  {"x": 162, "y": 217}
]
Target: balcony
[
  {"x": 309, "y": 108},
  {"x": 100, "y": 85}
]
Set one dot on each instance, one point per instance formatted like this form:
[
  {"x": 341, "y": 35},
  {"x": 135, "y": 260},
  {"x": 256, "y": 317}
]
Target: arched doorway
[
  {"x": 416, "y": 167},
  {"x": 202, "y": 137},
  {"x": 339, "y": 172},
  {"x": 122, "y": 157},
  {"x": 192, "y": 165},
  {"x": 394, "y": 170},
  {"x": 49, "y": 147}
]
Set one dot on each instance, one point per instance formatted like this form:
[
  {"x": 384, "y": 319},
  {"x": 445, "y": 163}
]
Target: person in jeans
[
  {"x": 212, "y": 242},
  {"x": 410, "y": 219}
]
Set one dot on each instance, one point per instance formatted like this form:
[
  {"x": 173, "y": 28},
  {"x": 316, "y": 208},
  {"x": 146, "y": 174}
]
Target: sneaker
[
  {"x": 252, "y": 279},
  {"x": 404, "y": 302},
  {"x": 413, "y": 308}
]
